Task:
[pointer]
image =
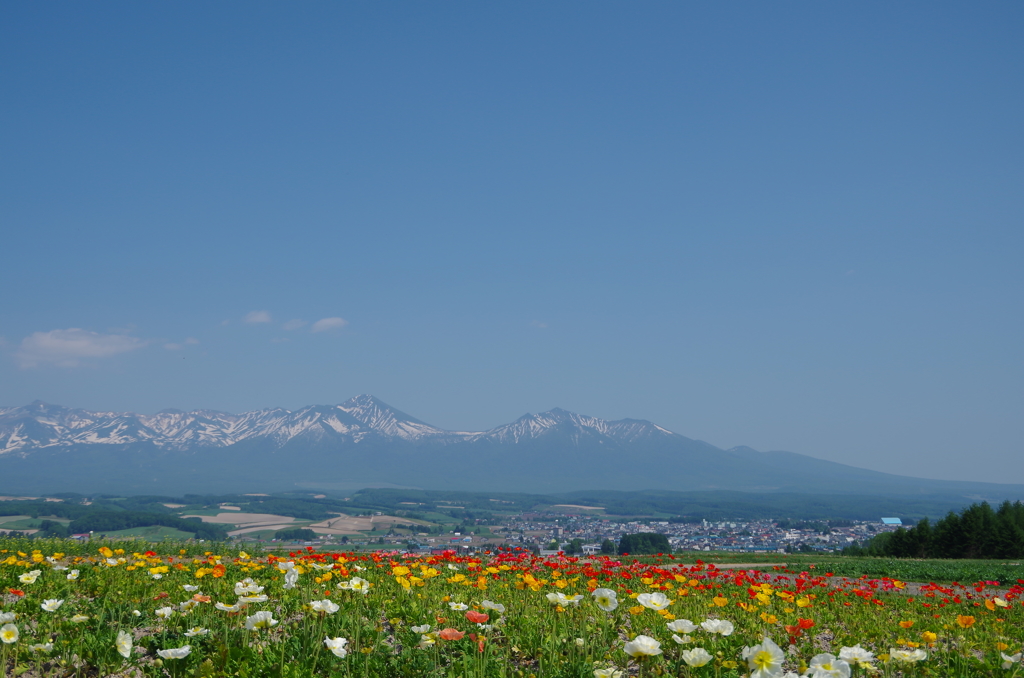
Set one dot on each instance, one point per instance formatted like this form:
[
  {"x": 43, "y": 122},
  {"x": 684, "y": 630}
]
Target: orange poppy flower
[{"x": 450, "y": 634}]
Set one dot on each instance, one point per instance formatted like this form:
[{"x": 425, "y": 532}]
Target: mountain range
[{"x": 364, "y": 442}]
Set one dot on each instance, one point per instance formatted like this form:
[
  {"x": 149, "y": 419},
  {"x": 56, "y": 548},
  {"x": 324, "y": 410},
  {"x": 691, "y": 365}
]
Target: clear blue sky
[{"x": 792, "y": 225}]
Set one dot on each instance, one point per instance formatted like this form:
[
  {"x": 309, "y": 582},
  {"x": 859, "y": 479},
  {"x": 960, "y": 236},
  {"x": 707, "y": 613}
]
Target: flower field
[{"x": 188, "y": 613}]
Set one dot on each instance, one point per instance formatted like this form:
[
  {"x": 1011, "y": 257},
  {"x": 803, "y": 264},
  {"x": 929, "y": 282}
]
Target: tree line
[{"x": 977, "y": 531}]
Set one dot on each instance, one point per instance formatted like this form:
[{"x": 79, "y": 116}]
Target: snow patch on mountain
[{"x": 40, "y": 425}]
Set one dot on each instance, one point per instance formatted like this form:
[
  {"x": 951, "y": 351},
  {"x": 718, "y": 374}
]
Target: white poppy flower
[
  {"x": 698, "y": 656},
  {"x": 682, "y": 626},
  {"x": 324, "y": 606},
  {"x": 7, "y": 617},
  {"x": 165, "y": 612},
  {"x": 175, "y": 652},
  {"x": 721, "y": 626},
  {"x": 488, "y": 605},
  {"x": 72, "y": 575},
  {"x": 764, "y": 659},
  {"x": 259, "y": 598},
  {"x": 41, "y": 647},
  {"x": 79, "y": 618},
  {"x": 605, "y": 599},
  {"x": 458, "y": 607},
  {"x": 189, "y": 587},
  {"x": 124, "y": 644},
  {"x": 359, "y": 584},
  {"x": 196, "y": 631},
  {"x": 9, "y": 634},
  {"x": 827, "y": 666},
  {"x": 260, "y": 620},
  {"x": 247, "y": 585},
  {"x": 425, "y": 628},
  {"x": 610, "y": 672},
  {"x": 337, "y": 646},
  {"x": 907, "y": 656},
  {"x": 229, "y": 608},
  {"x": 51, "y": 605},
  {"x": 654, "y": 601},
  {"x": 857, "y": 655},
  {"x": 642, "y": 646},
  {"x": 681, "y": 640},
  {"x": 29, "y": 577}
]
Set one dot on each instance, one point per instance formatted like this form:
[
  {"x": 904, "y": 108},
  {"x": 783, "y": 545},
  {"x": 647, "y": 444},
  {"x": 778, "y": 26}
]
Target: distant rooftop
[{"x": 891, "y": 521}]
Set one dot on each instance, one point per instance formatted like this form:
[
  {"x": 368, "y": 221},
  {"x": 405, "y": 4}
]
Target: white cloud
[
  {"x": 325, "y": 324},
  {"x": 177, "y": 347},
  {"x": 257, "y": 317},
  {"x": 65, "y": 348},
  {"x": 294, "y": 324}
]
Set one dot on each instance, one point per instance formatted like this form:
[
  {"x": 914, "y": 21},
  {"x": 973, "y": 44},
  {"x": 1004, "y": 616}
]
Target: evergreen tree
[{"x": 644, "y": 543}]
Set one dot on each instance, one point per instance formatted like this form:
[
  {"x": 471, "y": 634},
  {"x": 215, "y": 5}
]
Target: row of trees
[{"x": 978, "y": 531}]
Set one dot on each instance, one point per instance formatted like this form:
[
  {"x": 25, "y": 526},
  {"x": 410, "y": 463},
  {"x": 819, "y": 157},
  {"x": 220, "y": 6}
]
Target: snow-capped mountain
[
  {"x": 363, "y": 442},
  {"x": 41, "y": 426},
  {"x": 575, "y": 425}
]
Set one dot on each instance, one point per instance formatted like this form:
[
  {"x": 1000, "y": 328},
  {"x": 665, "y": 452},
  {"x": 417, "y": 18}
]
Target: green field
[{"x": 155, "y": 533}]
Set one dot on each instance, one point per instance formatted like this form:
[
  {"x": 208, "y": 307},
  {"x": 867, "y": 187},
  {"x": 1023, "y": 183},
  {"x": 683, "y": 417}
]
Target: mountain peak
[{"x": 365, "y": 400}]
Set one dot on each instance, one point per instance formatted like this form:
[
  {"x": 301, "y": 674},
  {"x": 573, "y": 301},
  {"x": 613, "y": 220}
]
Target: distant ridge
[{"x": 365, "y": 442}]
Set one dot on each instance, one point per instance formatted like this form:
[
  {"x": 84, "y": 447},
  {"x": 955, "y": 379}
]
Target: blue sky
[{"x": 792, "y": 226}]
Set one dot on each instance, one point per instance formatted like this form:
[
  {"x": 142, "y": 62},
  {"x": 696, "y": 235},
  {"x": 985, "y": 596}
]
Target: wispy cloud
[
  {"x": 257, "y": 317},
  {"x": 325, "y": 324},
  {"x": 177, "y": 347},
  {"x": 67, "y": 348},
  {"x": 294, "y": 324}
]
